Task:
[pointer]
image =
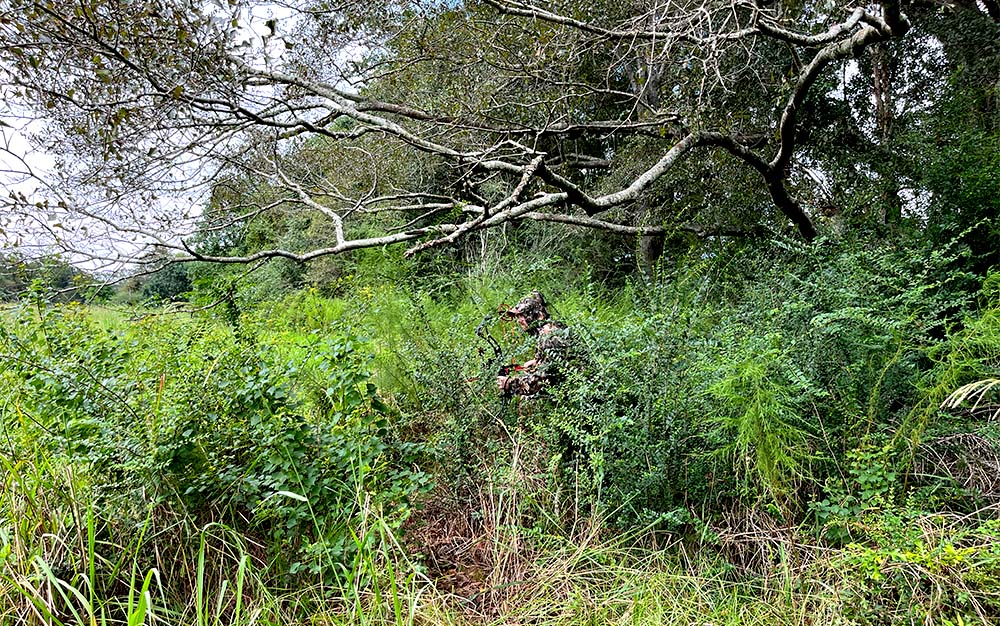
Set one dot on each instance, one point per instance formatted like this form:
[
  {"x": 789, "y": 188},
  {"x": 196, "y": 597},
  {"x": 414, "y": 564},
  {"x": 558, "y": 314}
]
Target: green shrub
[
  {"x": 743, "y": 376},
  {"x": 299, "y": 447},
  {"x": 919, "y": 568}
]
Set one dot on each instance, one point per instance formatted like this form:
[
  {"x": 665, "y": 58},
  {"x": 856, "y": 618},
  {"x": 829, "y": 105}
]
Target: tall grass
[{"x": 63, "y": 565}]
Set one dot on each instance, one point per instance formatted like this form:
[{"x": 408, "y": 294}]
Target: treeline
[
  {"x": 52, "y": 276},
  {"x": 55, "y": 279}
]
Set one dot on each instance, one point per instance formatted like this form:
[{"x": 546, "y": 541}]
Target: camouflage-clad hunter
[{"x": 554, "y": 348}]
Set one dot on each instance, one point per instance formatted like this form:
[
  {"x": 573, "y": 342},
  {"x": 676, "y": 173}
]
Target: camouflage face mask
[{"x": 531, "y": 308}]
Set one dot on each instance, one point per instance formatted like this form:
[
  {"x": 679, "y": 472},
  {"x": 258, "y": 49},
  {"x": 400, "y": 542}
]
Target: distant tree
[
  {"x": 53, "y": 277},
  {"x": 171, "y": 284},
  {"x": 13, "y": 278}
]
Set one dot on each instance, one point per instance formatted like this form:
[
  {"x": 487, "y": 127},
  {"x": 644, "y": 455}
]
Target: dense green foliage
[
  {"x": 733, "y": 394},
  {"x": 288, "y": 442},
  {"x": 755, "y": 424}
]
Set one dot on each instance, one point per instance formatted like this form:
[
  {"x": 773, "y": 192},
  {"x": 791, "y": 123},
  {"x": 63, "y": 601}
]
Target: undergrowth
[
  {"x": 739, "y": 439},
  {"x": 63, "y": 564}
]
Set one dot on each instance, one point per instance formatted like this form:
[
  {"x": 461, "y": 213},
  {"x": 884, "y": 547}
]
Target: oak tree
[{"x": 417, "y": 122}]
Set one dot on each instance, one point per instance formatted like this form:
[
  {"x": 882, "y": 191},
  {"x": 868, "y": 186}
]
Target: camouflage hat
[{"x": 531, "y": 307}]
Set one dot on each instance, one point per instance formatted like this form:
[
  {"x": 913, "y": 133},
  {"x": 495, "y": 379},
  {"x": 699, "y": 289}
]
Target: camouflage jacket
[{"x": 556, "y": 353}]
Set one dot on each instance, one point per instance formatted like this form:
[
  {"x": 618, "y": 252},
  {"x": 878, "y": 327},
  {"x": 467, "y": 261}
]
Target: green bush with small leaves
[
  {"x": 297, "y": 448},
  {"x": 730, "y": 381}
]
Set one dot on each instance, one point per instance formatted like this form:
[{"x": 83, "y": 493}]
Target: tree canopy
[{"x": 178, "y": 126}]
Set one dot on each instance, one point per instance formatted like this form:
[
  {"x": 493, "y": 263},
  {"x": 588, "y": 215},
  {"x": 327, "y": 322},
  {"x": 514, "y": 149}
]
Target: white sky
[{"x": 24, "y": 168}]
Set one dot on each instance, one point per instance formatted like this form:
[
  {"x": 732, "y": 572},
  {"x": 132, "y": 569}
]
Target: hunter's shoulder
[
  {"x": 558, "y": 340},
  {"x": 555, "y": 331}
]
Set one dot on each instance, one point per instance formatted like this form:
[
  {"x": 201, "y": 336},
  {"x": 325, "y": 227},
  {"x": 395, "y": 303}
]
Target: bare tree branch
[{"x": 172, "y": 131}]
